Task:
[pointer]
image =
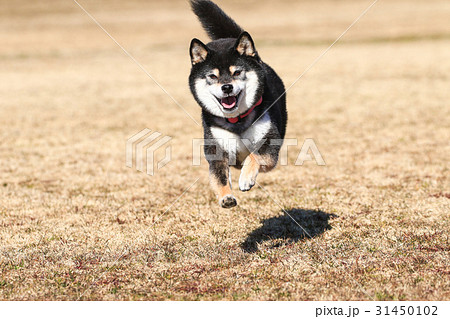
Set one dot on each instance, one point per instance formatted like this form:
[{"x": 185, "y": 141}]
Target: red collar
[{"x": 235, "y": 119}]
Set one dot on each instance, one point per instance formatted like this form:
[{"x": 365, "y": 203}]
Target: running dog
[{"x": 242, "y": 99}]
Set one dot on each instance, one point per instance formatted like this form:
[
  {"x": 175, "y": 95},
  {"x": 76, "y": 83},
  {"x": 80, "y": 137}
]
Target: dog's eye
[
  {"x": 237, "y": 73},
  {"x": 212, "y": 76}
]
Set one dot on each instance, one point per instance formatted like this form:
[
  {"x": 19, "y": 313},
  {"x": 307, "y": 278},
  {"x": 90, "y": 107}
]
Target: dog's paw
[
  {"x": 228, "y": 201},
  {"x": 245, "y": 183}
]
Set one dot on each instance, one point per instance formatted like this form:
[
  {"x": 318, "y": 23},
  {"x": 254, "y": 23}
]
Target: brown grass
[{"x": 76, "y": 223}]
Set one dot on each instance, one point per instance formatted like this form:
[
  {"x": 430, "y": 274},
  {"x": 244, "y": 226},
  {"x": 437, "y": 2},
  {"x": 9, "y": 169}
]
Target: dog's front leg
[
  {"x": 220, "y": 181},
  {"x": 253, "y": 164}
]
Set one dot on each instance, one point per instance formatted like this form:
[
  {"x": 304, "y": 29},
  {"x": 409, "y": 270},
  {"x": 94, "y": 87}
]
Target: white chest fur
[{"x": 239, "y": 145}]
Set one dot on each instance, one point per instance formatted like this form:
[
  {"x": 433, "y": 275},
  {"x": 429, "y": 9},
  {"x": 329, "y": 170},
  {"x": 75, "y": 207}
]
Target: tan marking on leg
[
  {"x": 218, "y": 188},
  {"x": 226, "y": 199},
  {"x": 249, "y": 171},
  {"x": 252, "y": 165},
  {"x": 224, "y": 190}
]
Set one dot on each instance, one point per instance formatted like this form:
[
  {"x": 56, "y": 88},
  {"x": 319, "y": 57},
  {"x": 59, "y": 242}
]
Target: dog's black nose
[{"x": 227, "y": 88}]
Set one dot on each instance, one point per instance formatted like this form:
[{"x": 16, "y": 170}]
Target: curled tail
[{"x": 216, "y": 23}]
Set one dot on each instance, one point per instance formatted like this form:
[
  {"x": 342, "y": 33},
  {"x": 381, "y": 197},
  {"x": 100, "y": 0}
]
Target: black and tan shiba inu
[{"x": 242, "y": 99}]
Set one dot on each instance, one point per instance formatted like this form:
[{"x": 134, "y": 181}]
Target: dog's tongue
[{"x": 228, "y": 102}]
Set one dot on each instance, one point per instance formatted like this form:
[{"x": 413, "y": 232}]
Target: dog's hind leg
[
  {"x": 219, "y": 173},
  {"x": 253, "y": 164}
]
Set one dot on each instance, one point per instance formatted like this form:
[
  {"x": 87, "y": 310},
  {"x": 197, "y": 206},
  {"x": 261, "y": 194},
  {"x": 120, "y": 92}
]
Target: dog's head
[{"x": 227, "y": 76}]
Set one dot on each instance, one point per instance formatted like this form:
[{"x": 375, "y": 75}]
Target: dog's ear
[
  {"x": 245, "y": 45},
  {"x": 198, "y": 51}
]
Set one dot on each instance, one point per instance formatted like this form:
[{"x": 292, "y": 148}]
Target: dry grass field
[{"x": 77, "y": 224}]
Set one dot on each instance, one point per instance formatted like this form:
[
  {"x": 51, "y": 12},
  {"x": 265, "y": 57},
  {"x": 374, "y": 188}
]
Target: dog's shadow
[{"x": 294, "y": 225}]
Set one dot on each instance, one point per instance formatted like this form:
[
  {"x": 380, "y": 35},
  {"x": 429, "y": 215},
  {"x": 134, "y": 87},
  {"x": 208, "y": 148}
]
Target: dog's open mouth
[{"x": 229, "y": 102}]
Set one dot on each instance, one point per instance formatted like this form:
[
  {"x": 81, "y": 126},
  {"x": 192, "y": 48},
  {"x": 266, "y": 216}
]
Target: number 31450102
[{"x": 407, "y": 310}]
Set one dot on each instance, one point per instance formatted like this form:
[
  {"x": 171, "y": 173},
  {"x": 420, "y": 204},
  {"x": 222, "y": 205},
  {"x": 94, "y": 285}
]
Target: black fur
[
  {"x": 221, "y": 54},
  {"x": 216, "y": 23}
]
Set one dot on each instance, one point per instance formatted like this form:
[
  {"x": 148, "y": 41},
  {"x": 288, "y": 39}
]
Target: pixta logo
[{"x": 143, "y": 146}]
